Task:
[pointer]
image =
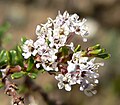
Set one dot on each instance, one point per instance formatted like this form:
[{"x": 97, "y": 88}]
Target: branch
[{"x": 11, "y": 90}]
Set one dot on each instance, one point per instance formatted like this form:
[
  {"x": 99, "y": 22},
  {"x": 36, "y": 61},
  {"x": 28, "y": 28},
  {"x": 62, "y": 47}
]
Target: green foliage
[
  {"x": 64, "y": 50},
  {"x": 23, "y": 39},
  {"x": 19, "y": 58},
  {"x": 3, "y": 58},
  {"x": 30, "y": 64},
  {"x": 97, "y": 46},
  {"x": 17, "y": 75},
  {"x": 32, "y": 75},
  {"x": 104, "y": 56},
  {"x": 96, "y": 51},
  {"x": 77, "y": 48},
  {"x": 48, "y": 42},
  {"x": 12, "y": 57}
]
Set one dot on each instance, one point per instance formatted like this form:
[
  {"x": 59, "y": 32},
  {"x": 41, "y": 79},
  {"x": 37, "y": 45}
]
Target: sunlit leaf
[
  {"x": 104, "y": 55},
  {"x": 64, "y": 50},
  {"x": 17, "y": 75},
  {"x": 97, "y": 46},
  {"x": 3, "y": 58},
  {"x": 30, "y": 64},
  {"x": 77, "y": 48},
  {"x": 23, "y": 39},
  {"x": 97, "y": 51},
  {"x": 32, "y": 75}
]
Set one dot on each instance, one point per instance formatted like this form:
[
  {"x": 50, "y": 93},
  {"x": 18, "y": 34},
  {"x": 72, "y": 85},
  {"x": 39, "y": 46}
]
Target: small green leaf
[
  {"x": 32, "y": 75},
  {"x": 64, "y": 50},
  {"x": 97, "y": 46},
  {"x": 19, "y": 56},
  {"x": 18, "y": 49},
  {"x": 48, "y": 42},
  {"x": 104, "y": 56},
  {"x": 97, "y": 51},
  {"x": 77, "y": 48},
  {"x": 3, "y": 58},
  {"x": 9, "y": 58},
  {"x": 17, "y": 75},
  {"x": 23, "y": 39},
  {"x": 30, "y": 64},
  {"x": 13, "y": 56},
  {"x": 2, "y": 54},
  {"x": 3, "y": 63}
]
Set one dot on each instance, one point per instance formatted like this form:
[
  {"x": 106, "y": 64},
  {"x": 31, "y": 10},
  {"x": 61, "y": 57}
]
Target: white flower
[
  {"x": 78, "y": 59},
  {"x": 79, "y": 27},
  {"x": 61, "y": 19},
  {"x": 83, "y": 72},
  {"x": 43, "y": 31},
  {"x": 49, "y": 67},
  {"x": 39, "y": 42},
  {"x": 74, "y": 19},
  {"x": 28, "y": 49},
  {"x": 71, "y": 66},
  {"x": 57, "y": 42},
  {"x": 38, "y": 29},
  {"x": 64, "y": 81},
  {"x": 38, "y": 65}
]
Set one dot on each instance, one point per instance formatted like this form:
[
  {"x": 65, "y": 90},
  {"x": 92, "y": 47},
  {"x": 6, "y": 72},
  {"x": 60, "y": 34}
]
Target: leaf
[
  {"x": 48, "y": 42},
  {"x": 13, "y": 56},
  {"x": 3, "y": 58},
  {"x": 64, "y": 50},
  {"x": 19, "y": 56},
  {"x": 32, "y": 75},
  {"x": 17, "y": 75},
  {"x": 2, "y": 54},
  {"x": 77, "y": 48},
  {"x": 30, "y": 64},
  {"x": 97, "y": 46},
  {"x": 18, "y": 49},
  {"x": 104, "y": 55},
  {"x": 97, "y": 51},
  {"x": 23, "y": 39},
  {"x": 9, "y": 58}
]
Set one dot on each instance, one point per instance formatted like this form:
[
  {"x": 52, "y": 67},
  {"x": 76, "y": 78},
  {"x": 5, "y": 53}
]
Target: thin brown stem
[{"x": 11, "y": 90}]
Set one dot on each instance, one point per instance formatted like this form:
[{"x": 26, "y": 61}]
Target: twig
[{"x": 11, "y": 90}]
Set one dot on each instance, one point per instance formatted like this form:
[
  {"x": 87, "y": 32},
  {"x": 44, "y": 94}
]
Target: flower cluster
[
  {"x": 82, "y": 71},
  {"x": 51, "y": 37}
]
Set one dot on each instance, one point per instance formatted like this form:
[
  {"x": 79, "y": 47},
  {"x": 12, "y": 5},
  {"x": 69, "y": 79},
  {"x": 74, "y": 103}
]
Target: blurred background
[{"x": 104, "y": 25}]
